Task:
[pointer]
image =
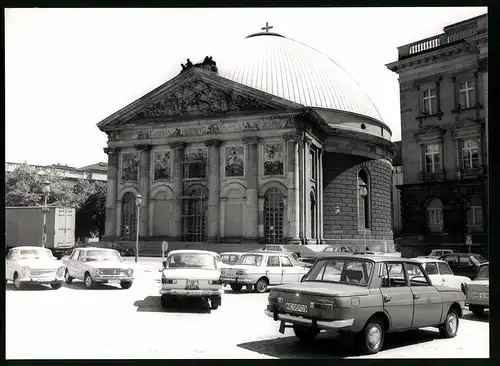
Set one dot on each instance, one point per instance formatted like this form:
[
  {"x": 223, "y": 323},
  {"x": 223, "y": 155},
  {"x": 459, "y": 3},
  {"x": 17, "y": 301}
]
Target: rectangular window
[
  {"x": 429, "y": 101},
  {"x": 416, "y": 275},
  {"x": 431, "y": 268},
  {"x": 432, "y": 154},
  {"x": 285, "y": 262},
  {"x": 435, "y": 219},
  {"x": 470, "y": 154},
  {"x": 475, "y": 216},
  {"x": 195, "y": 163},
  {"x": 312, "y": 165},
  {"x": 466, "y": 94}
]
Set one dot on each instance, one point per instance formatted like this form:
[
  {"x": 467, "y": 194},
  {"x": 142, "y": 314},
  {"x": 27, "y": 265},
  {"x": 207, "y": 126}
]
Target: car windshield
[
  {"x": 103, "y": 255},
  {"x": 35, "y": 254},
  {"x": 483, "y": 273},
  {"x": 478, "y": 259},
  {"x": 230, "y": 258},
  {"x": 348, "y": 271},
  {"x": 250, "y": 259},
  {"x": 192, "y": 260}
]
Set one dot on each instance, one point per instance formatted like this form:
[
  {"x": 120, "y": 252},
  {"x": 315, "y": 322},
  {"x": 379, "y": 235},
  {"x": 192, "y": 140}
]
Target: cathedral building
[{"x": 274, "y": 144}]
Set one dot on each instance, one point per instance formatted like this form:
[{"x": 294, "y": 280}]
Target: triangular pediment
[{"x": 196, "y": 93}]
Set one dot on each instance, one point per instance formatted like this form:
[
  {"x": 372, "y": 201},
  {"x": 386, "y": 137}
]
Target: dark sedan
[{"x": 464, "y": 264}]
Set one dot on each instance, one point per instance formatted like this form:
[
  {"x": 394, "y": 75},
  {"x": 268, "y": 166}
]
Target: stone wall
[{"x": 340, "y": 189}]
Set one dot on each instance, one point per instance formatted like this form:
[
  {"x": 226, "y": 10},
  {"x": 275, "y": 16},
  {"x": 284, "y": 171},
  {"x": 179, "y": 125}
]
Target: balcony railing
[
  {"x": 431, "y": 43},
  {"x": 471, "y": 173},
  {"x": 432, "y": 177}
]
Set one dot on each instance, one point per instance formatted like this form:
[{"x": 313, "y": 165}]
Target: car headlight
[
  {"x": 60, "y": 270},
  {"x": 25, "y": 271},
  {"x": 240, "y": 273},
  {"x": 168, "y": 281},
  {"x": 98, "y": 271},
  {"x": 130, "y": 272}
]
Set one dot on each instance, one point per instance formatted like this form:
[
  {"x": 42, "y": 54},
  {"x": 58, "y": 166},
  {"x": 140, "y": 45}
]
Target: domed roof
[{"x": 294, "y": 71}]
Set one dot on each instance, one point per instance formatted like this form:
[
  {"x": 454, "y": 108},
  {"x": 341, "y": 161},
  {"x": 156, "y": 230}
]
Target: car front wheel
[
  {"x": 67, "y": 278},
  {"x": 126, "y": 284},
  {"x": 371, "y": 338},
  {"x": 17, "y": 282},
  {"x": 87, "y": 280},
  {"x": 305, "y": 334},
  {"x": 449, "y": 328},
  {"x": 215, "y": 302},
  {"x": 476, "y": 310}
]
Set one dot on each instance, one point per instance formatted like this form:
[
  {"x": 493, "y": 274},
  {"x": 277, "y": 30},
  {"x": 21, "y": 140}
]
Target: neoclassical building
[{"x": 274, "y": 144}]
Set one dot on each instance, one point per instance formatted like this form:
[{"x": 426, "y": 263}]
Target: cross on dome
[{"x": 267, "y": 27}]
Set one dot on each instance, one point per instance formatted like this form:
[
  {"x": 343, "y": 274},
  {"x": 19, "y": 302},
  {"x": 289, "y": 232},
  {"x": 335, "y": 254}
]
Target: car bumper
[
  {"x": 475, "y": 302},
  {"x": 190, "y": 293},
  {"x": 321, "y": 324},
  {"x": 42, "y": 280},
  {"x": 243, "y": 281},
  {"x": 105, "y": 279}
]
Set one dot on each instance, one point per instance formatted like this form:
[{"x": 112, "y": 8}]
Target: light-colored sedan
[
  {"x": 478, "y": 291},
  {"x": 97, "y": 265},
  {"x": 33, "y": 265},
  {"x": 191, "y": 273},
  {"x": 441, "y": 274},
  {"x": 263, "y": 269},
  {"x": 436, "y": 253}
]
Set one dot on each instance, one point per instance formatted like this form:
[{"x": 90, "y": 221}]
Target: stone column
[
  {"x": 178, "y": 148},
  {"x": 112, "y": 182},
  {"x": 301, "y": 188},
  {"x": 144, "y": 185},
  {"x": 320, "y": 198},
  {"x": 293, "y": 188},
  {"x": 307, "y": 189},
  {"x": 213, "y": 190},
  {"x": 251, "y": 224}
]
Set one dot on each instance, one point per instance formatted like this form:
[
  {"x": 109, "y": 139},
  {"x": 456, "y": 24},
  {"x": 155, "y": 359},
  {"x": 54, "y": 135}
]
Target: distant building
[
  {"x": 397, "y": 179},
  {"x": 98, "y": 172},
  {"x": 444, "y": 117}
]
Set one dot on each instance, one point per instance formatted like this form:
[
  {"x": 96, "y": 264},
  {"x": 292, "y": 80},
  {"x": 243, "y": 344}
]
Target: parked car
[
  {"x": 191, "y": 273},
  {"x": 366, "y": 296},
  {"x": 441, "y": 274},
  {"x": 478, "y": 291},
  {"x": 437, "y": 253},
  {"x": 33, "y": 265},
  {"x": 336, "y": 249},
  {"x": 263, "y": 269},
  {"x": 230, "y": 258},
  {"x": 98, "y": 265},
  {"x": 464, "y": 264}
]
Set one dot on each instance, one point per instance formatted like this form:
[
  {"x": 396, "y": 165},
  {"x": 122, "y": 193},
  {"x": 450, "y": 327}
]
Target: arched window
[
  {"x": 129, "y": 212},
  {"x": 313, "y": 215},
  {"x": 435, "y": 216},
  {"x": 273, "y": 215},
  {"x": 194, "y": 213},
  {"x": 364, "y": 206},
  {"x": 475, "y": 214}
]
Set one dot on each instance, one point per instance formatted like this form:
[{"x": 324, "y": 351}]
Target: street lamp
[
  {"x": 46, "y": 191},
  {"x": 138, "y": 202},
  {"x": 336, "y": 212}
]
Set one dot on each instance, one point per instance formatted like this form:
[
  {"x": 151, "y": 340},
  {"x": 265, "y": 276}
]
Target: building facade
[
  {"x": 444, "y": 117},
  {"x": 274, "y": 144},
  {"x": 397, "y": 180}
]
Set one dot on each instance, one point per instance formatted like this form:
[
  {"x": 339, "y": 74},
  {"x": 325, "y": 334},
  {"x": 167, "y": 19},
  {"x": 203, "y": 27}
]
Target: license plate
[
  {"x": 114, "y": 282},
  {"x": 483, "y": 295},
  {"x": 46, "y": 279},
  {"x": 192, "y": 285},
  {"x": 296, "y": 307}
]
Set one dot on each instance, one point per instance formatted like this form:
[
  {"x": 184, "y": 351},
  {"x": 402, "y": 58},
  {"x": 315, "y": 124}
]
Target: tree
[{"x": 24, "y": 187}]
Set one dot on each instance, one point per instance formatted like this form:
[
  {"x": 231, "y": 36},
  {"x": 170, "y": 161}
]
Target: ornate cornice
[
  {"x": 214, "y": 142},
  {"x": 293, "y": 137},
  {"x": 177, "y": 145},
  {"x": 143, "y": 147},
  {"x": 253, "y": 140},
  {"x": 111, "y": 150}
]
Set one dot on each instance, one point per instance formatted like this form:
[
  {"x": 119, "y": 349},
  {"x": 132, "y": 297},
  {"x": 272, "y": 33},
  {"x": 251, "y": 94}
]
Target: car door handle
[
  {"x": 416, "y": 296},
  {"x": 387, "y": 298},
  {"x": 444, "y": 279}
]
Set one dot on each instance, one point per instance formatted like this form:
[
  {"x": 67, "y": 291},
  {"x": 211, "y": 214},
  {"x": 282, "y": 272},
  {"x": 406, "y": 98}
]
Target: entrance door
[
  {"x": 273, "y": 216},
  {"x": 193, "y": 217}
]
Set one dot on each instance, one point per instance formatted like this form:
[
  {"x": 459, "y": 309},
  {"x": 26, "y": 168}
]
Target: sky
[{"x": 68, "y": 69}]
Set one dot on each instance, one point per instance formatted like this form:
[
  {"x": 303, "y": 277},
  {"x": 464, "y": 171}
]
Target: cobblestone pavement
[{"x": 109, "y": 322}]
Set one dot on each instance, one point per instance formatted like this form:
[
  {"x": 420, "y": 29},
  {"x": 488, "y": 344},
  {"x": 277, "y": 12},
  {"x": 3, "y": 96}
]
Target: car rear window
[
  {"x": 431, "y": 268},
  {"x": 348, "y": 271},
  {"x": 483, "y": 272}
]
